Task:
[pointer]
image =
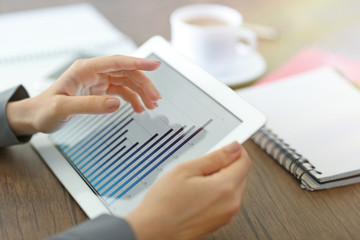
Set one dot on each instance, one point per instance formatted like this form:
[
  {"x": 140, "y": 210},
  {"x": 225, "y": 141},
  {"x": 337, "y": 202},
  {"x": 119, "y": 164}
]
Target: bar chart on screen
[{"x": 121, "y": 154}]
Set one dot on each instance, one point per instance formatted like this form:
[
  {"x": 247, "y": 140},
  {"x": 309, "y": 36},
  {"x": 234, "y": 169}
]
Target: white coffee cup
[{"x": 210, "y": 35}]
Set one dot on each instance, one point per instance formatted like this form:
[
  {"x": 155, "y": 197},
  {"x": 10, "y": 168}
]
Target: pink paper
[{"x": 310, "y": 58}]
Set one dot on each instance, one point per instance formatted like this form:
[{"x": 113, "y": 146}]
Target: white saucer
[{"x": 245, "y": 68}]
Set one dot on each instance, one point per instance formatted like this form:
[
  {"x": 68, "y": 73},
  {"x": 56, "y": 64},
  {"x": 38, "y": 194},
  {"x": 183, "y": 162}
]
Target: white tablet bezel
[{"x": 252, "y": 120}]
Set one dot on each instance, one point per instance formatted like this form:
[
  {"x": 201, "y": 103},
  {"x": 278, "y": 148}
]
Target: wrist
[{"x": 20, "y": 115}]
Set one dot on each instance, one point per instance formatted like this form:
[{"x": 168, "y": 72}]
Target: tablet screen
[{"x": 120, "y": 155}]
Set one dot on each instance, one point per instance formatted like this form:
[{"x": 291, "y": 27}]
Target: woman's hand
[
  {"x": 194, "y": 199},
  {"x": 86, "y": 88}
]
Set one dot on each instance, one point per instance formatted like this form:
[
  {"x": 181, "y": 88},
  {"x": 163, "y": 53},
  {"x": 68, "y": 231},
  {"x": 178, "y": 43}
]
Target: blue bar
[
  {"x": 103, "y": 148},
  {"x": 141, "y": 162},
  {"x": 75, "y": 131},
  {"x": 93, "y": 139},
  {"x": 103, "y": 119},
  {"x": 129, "y": 157},
  {"x": 140, "y": 155},
  {"x": 104, "y": 156},
  {"x": 91, "y": 136},
  {"x": 160, "y": 162},
  {"x": 63, "y": 131},
  {"x": 94, "y": 143},
  {"x": 79, "y": 132},
  {"x": 109, "y": 159},
  {"x": 93, "y": 133}
]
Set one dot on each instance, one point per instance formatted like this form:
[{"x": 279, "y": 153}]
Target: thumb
[
  {"x": 89, "y": 104},
  {"x": 215, "y": 161}
]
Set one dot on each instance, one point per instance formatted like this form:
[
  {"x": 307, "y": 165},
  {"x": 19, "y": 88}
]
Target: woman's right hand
[{"x": 195, "y": 198}]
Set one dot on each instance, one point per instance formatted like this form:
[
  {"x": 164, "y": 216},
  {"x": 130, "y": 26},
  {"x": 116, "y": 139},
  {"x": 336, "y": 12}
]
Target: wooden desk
[{"x": 33, "y": 204}]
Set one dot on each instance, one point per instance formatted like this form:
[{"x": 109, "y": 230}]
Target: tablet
[{"x": 108, "y": 162}]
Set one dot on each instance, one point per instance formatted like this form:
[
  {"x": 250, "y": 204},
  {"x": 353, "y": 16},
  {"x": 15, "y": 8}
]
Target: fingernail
[
  {"x": 112, "y": 104},
  {"x": 156, "y": 61},
  {"x": 233, "y": 148},
  {"x": 141, "y": 110},
  {"x": 154, "y": 95},
  {"x": 158, "y": 94}
]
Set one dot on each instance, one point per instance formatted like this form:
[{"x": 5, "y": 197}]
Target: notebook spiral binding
[{"x": 286, "y": 156}]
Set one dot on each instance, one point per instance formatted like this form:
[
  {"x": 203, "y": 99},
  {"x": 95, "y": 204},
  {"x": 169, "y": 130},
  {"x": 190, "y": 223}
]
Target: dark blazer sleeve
[
  {"x": 103, "y": 227},
  {"x": 7, "y": 136}
]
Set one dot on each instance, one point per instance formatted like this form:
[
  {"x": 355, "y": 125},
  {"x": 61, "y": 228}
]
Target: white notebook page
[{"x": 318, "y": 114}]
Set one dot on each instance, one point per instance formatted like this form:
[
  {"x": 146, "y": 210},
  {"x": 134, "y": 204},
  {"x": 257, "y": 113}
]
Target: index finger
[{"x": 119, "y": 62}]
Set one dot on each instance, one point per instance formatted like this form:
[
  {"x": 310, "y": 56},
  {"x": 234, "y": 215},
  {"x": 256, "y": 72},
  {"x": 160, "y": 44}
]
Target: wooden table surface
[{"x": 33, "y": 203}]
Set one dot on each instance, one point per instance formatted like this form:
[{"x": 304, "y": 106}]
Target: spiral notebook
[
  {"x": 313, "y": 127},
  {"x": 37, "y": 45}
]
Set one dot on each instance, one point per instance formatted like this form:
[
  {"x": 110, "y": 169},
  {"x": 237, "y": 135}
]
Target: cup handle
[{"x": 248, "y": 37}]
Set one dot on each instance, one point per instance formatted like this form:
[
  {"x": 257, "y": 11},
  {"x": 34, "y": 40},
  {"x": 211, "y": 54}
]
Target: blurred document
[{"x": 35, "y": 44}]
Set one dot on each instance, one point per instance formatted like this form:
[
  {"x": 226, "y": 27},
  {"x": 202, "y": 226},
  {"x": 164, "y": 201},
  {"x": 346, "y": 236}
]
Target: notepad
[
  {"x": 313, "y": 127},
  {"x": 311, "y": 58}
]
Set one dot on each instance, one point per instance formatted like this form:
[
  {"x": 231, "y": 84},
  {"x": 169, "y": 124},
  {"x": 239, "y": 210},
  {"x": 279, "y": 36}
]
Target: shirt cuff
[{"x": 7, "y": 136}]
